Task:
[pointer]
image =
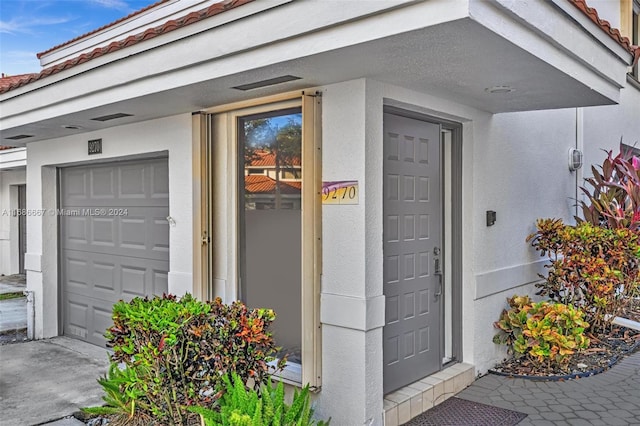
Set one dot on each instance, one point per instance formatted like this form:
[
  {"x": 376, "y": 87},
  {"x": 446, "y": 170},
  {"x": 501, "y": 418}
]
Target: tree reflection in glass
[{"x": 270, "y": 157}]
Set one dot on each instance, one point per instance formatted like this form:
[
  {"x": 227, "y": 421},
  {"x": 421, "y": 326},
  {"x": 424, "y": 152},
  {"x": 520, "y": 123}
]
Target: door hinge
[{"x": 205, "y": 238}]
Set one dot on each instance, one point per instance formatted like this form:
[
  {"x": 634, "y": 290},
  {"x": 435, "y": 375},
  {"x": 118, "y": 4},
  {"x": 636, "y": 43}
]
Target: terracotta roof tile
[
  {"x": 3, "y": 147},
  {"x": 218, "y": 8},
  {"x": 9, "y": 80},
  {"x": 261, "y": 184},
  {"x": 267, "y": 159},
  {"x": 39, "y": 55},
  {"x": 614, "y": 33},
  {"x": 169, "y": 26}
]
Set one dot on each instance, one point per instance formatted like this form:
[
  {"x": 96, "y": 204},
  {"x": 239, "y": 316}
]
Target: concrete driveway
[{"x": 46, "y": 380}]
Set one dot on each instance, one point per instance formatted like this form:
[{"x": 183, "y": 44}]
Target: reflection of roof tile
[
  {"x": 168, "y": 26},
  {"x": 104, "y": 27},
  {"x": 268, "y": 159},
  {"x": 614, "y": 33},
  {"x": 9, "y": 80},
  {"x": 260, "y": 184},
  {"x": 3, "y": 147}
]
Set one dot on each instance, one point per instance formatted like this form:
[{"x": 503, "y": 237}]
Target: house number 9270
[
  {"x": 340, "y": 192},
  {"x": 95, "y": 146}
]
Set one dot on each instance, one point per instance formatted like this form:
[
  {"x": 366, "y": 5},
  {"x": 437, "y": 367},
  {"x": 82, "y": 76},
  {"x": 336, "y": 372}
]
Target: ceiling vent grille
[
  {"x": 112, "y": 116},
  {"x": 18, "y": 137},
  {"x": 265, "y": 83}
]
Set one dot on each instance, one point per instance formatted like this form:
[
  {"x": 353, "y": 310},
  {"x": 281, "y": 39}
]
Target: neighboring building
[
  {"x": 436, "y": 113},
  {"x": 272, "y": 182},
  {"x": 13, "y": 226}
]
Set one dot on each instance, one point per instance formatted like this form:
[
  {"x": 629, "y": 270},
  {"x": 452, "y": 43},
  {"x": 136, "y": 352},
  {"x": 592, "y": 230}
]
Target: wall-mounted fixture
[
  {"x": 575, "y": 159},
  {"x": 491, "y": 217}
]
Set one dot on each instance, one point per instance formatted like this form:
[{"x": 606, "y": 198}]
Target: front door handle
[
  {"x": 437, "y": 270},
  {"x": 439, "y": 292}
]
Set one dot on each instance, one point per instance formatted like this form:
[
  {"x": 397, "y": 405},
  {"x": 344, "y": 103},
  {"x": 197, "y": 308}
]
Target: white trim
[
  {"x": 356, "y": 313},
  {"x": 13, "y": 158},
  {"x": 499, "y": 280}
]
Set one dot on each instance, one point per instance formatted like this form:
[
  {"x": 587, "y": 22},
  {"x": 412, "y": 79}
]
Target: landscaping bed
[{"x": 602, "y": 354}]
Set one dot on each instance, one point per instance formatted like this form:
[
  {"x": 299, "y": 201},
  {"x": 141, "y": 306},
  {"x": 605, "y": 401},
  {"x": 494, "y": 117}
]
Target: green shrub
[
  {"x": 591, "y": 267},
  {"x": 176, "y": 352},
  {"x": 240, "y": 406},
  {"x": 544, "y": 332},
  {"x": 613, "y": 193}
]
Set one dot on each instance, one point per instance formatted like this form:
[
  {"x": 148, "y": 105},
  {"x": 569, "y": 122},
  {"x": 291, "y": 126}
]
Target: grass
[{"x": 14, "y": 295}]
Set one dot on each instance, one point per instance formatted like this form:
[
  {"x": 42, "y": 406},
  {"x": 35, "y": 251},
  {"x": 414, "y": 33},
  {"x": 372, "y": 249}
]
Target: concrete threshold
[{"x": 414, "y": 399}]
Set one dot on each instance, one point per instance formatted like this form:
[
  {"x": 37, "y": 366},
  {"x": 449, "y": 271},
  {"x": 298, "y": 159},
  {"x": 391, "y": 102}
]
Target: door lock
[{"x": 437, "y": 270}]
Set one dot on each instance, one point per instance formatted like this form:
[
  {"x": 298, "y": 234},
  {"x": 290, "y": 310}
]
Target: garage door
[{"x": 114, "y": 240}]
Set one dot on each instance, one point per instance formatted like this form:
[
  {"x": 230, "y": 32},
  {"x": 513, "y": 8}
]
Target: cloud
[
  {"x": 21, "y": 54},
  {"x": 113, "y": 4},
  {"x": 28, "y": 25}
]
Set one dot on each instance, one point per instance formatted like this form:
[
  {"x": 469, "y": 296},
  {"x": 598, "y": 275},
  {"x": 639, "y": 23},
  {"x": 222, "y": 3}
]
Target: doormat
[{"x": 460, "y": 412}]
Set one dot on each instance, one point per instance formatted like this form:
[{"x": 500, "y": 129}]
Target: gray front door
[
  {"x": 114, "y": 240},
  {"x": 412, "y": 243}
]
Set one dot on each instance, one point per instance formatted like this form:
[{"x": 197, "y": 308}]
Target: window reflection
[{"x": 270, "y": 221}]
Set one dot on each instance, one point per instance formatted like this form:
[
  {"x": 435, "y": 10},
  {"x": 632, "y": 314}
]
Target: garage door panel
[
  {"x": 121, "y": 185},
  {"x": 75, "y": 270},
  {"x": 75, "y": 185},
  {"x": 101, "y": 321},
  {"x": 159, "y": 182},
  {"x": 102, "y": 184},
  {"x": 105, "y": 277},
  {"x": 75, "y": 229},
  {"x": 103, "y": 231},
  {"x": 140, "y": 278},
  {"x": 141, "y": 232},
  {"x": 86, "y": 319},
  {"x": 160, "y": 281},
  {"x": 112, "y": 277},
  {"x": 115, "y": 246}
]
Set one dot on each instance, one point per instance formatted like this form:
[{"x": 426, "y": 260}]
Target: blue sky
[{"x": 31, "y": 26}]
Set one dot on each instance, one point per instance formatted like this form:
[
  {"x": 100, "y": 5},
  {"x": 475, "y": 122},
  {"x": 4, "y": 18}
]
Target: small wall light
[{"x": 575, "y": 159}]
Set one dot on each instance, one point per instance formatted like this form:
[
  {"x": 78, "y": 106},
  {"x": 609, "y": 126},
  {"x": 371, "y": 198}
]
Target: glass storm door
[{"x": 270, "y": 220}]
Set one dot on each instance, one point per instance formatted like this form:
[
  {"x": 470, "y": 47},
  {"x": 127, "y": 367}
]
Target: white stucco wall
[
  {"x": 605, "y": 126},
  {"x": 514, "y": 163},
  {"x": 9, "y": 181},
  {"x": 171, "y": 135},
  {"x": 352, "y": 333}
]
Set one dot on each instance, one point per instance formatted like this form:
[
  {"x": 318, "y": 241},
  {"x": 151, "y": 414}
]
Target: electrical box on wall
[{"x": 491, "y": 217}]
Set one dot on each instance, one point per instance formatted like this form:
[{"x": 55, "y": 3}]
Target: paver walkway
[{"x": 610, "y": 398}]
